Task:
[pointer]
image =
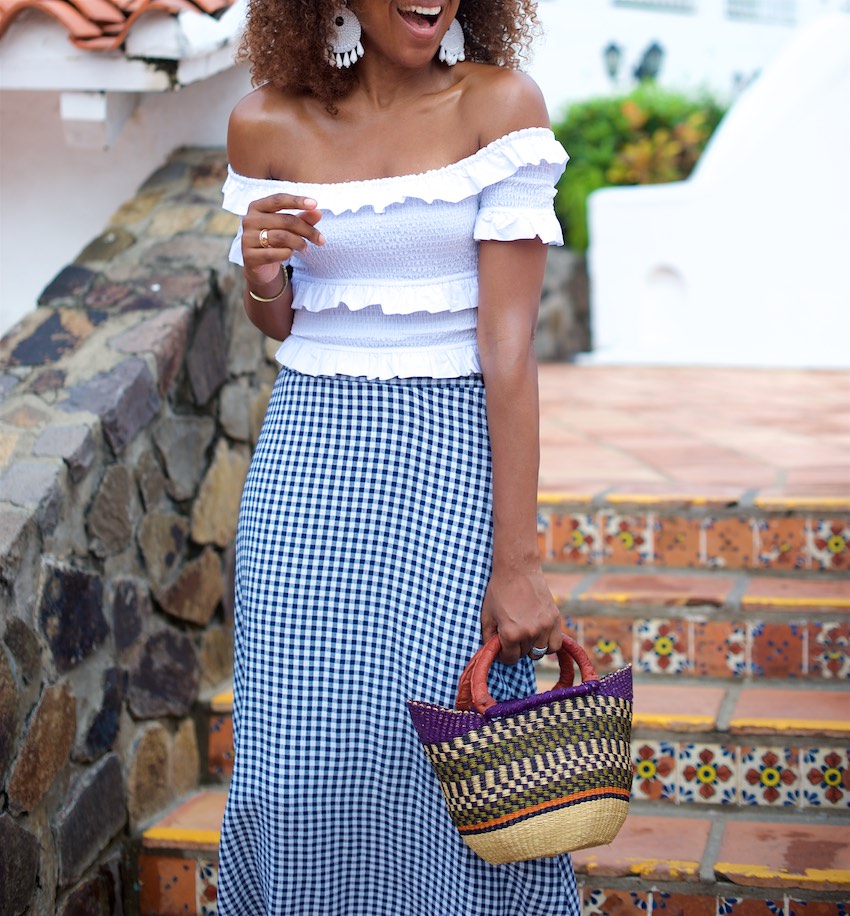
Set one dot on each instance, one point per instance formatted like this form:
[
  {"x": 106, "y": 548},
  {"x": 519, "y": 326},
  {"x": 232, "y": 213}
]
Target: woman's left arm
[{"x": 517, "y": 603}]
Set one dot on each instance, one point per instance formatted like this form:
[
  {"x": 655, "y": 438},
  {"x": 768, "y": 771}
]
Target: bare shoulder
[
  {"x": 262, "y": 124},
  {"x": 501, "y": 101}
]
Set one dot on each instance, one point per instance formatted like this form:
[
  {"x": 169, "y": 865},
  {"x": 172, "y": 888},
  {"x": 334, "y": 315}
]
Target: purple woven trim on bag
[
  {"x": 435, "y": 724},
  {"x": 618, "y": 684},
  {"x": 512, "y": 707}
]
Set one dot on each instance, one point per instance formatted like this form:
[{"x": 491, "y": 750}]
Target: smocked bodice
[{"x": 404, "y": 251}]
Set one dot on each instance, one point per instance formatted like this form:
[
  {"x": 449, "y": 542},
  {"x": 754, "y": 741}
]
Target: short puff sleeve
[{"x": 520, "y": 206}]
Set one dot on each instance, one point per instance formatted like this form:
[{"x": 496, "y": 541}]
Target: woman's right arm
[{"x": 248, "y": 141}]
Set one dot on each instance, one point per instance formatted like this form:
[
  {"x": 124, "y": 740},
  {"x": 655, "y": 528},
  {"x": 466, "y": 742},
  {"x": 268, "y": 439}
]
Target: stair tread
[
  {"x": 677, "y": 588},
  {"x": 753, "y": 852},
  {"x": 780, "y": 709},
  {"x": 689, "y": 432},
  {"x": 775, "y": 855},
  {"x": 682, "y": 707},
  {"x": 194, "y": 824}
]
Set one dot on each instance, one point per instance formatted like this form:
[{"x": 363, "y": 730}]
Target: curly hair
[{"x": 287, "y": 42}]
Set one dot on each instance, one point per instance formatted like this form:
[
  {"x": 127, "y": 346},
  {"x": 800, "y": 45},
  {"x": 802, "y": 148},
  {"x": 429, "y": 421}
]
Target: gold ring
[{"x": 264, "y": 238}]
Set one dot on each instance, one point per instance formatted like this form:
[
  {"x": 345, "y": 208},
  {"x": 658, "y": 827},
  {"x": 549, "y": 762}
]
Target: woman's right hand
[{"x": 284, "y": 233}]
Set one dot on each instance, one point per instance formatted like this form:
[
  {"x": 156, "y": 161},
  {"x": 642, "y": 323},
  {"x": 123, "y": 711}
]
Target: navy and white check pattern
[{"x": 363, "y": 553}]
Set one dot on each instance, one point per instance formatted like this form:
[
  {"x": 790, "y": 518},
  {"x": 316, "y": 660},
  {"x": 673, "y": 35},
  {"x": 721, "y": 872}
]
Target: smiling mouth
[{"x": 423, "y": 17}]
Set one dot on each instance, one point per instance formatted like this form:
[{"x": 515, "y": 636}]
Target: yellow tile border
[
  {"x": 647, "y": 868},
  {"x": 615, "y": 597},
  {"x": 802, "y": 502},
  {"x": 666, "y": 720},
  {"x": 758, "y": 601},
  {"x": 648, "y": 499},
  {"x": 791, "y": 725},
  {"x": 554, "y": 498},
  {"x": 222, "y": 702},
  {"x": 179, "y": 836},
  {"x": 824, "y": 878}
]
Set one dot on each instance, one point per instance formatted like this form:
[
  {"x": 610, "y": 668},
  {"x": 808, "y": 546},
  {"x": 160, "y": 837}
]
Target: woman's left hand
[{"x": 520, "y": 608}]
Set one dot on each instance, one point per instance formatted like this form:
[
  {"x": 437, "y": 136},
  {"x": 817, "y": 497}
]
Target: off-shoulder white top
[{"x": 394, "y": 291}]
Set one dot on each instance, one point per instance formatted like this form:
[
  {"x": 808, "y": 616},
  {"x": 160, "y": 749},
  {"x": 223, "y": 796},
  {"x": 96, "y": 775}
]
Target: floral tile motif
[
  {"x": 206, "y": 885},
  {"x": 826, "y": 777},
  {"x": 574, "y": 538},
  {"x": 707, "y": 774},
  {"x": 828, "y": 543},
  {"x": 818, "y": 908},
  {"x": 627, "y": 539},
  {"x": 770, "y": 776},
  {"x": 598, "y": 902},
  {"x": 720, "y": 648},
  {"x": 661, "y": 646},
  {"x": 743, "y": 906},
  {"x": 729, "y": 543},
  {"x": 677, "y": 541},
  {"x": 829, "y": 650},
  {"x": 608, "y": 642},
  {"x": 782, "y": 543},
  {"x": 777, "y": 649},
  {"x": 654, "y": 766},
  {"x": 683, "y": 904}
]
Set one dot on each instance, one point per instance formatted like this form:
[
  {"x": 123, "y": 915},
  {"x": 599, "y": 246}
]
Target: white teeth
[{"x": 422, "y": 10}]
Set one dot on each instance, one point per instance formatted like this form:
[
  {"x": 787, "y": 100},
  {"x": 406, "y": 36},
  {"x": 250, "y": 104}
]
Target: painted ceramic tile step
[
  {"x": 728, "y": 745},
  {"x": 752, "y": 853},
  {"x": 599, "y": 899},
  {"x": 709, "y": 625},
  {"x": 593, "y": 535},
  {"x": 219, "y": 735},
  {"x": 178, "y": 859}
]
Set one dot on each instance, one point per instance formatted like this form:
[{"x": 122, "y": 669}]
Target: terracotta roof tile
[{"x": 102, "y": 25}]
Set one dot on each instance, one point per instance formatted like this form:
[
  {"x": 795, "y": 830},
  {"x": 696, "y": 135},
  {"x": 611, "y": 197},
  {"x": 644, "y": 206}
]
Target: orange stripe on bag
[{"x": 543, "y": 806}]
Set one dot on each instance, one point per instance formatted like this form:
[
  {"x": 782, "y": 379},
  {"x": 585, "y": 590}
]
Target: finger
[
  {"x": 287, "y": 232},
  {"x": 512, "y": 650},
  {"x": 275, "y": 202}
]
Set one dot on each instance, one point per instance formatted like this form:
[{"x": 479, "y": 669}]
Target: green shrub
[{"x": 649, "y": 136}]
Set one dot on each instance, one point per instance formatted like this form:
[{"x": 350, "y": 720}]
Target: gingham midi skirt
[{"x": 363, "y": 553}]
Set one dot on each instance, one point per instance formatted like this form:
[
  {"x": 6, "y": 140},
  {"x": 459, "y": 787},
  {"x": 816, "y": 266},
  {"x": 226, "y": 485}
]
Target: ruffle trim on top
[
  {"x": 503, "y": 224},
  {"x": 312, "y": 358},
  {"x": 451, "y": 183},
  {"x": 452, "y": 294}
]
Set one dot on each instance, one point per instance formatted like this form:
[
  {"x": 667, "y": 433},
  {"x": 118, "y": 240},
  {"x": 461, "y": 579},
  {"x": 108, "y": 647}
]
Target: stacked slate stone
[{"x": 130, "y": 400}]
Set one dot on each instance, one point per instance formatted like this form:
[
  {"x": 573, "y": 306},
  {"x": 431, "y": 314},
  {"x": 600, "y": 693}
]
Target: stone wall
[{"x": 129, "y": 402}]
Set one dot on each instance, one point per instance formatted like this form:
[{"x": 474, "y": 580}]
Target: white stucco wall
[
  {"x": 54, "y": 199},
  {"x": 746, "y": 262},
  {"x": 702, "y": 49}
]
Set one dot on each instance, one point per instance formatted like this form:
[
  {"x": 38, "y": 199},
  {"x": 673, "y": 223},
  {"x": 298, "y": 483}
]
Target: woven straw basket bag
[{"x": 536, "y": 777}]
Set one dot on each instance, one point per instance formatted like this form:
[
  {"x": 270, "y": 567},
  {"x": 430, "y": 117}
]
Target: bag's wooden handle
[{"x": 473, "y": 693}]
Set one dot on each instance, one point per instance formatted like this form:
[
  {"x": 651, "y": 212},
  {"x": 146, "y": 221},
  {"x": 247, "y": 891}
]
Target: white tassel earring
[
  {"x": 451, "y": 47},
  {"x": 345, "y": 39}
]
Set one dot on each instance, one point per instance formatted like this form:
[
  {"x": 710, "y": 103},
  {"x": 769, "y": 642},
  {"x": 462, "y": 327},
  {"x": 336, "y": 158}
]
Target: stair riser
[
  {"x": 646, "y": 898},
  {"x": 220, "y": 747},
  {"x": 713, "y": 645},
  {"x": 773, "y": 770},
  {"x": 751, "y": 771},
  {"x": 172, "y": 884},
  {"x": 585, "y": 537}
]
